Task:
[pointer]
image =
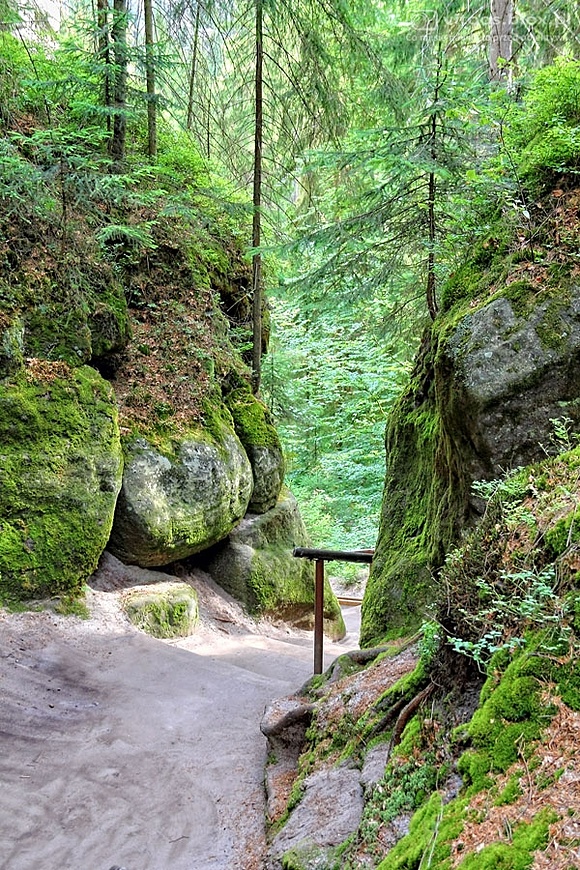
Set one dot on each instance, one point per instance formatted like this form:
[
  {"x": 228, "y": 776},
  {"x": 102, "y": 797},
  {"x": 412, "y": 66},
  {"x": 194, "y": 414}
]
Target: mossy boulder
[
  {"x": 255, "y": 565},
  {"x": 163, "y": 610},
  {"x": 487, "y": 384},
  {"x": 255, "y": 429},
  {"x": 177, "y": 501},
  {"x": 61, "y": 466}
]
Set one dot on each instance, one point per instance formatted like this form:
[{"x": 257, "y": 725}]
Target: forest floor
[{"x": 120, "y": 750}]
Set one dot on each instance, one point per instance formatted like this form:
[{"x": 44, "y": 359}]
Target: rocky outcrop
[
  {"x": 159, "y": 313},
  {"x": 514, "y": 375},
  {"x": 489, "y": 382},
  {"x": 172, "y": 506},
  {"x": 61, "y": 472},
  {"x": 255, "y": 565},
  {"x": 317, "y": 784}
]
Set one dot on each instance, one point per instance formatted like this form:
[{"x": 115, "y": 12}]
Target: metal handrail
[{"x": 319, "y": 557}]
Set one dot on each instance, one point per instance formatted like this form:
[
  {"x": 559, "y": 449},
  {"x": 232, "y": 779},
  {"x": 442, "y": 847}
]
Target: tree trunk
[
  {"x": 104, "y": 53},
  {"x": 257, "y": 203},
  {"x": 431, "y": 284},
  {"x": 500, "y": 40},
  {"x": 150, "y": 74},
  {"x": 193, "y": 70},
  {"x": 119, "y": 35},
  {"x": 431, "y": 289}
]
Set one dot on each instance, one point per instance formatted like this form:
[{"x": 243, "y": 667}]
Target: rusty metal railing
[{"x": 319, "y": 557}]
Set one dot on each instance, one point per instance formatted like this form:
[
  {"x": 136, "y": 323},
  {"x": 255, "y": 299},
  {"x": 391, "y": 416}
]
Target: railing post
[
  {"x": 318, "y": 615},
  {"x": 319, "y": 557}
]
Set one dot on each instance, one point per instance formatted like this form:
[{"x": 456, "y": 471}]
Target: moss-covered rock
[
  {"x": 85, "y": 321},
  {"x": 163, "y": 610},
  {"x": 255, "y": 429},
  {"x": 180, "y": 501},
  {"x": 61, "y": 467},
  {"x": 487, "y": 385},
  {"x": 257, "y": 567}
]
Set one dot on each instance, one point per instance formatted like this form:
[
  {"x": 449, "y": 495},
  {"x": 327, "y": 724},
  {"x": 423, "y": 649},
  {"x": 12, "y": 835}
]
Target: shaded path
[{"x": 117, "y": 749}]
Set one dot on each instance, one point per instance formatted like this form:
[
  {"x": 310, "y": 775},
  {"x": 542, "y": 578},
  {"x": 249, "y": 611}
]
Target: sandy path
[{"x": 117, "y": 749}]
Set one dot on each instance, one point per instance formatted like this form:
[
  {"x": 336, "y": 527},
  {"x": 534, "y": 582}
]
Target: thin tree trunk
[
  {"x": 257, "y": 203},
  {"x": 119, "y": 35},
  {"x": 193, "y": 70},
  {"x": 431, "y": 284},
  {"x": 208, "y": 127},
  {"x": 103, "y": 48},
  {"x": 500, "y": 40},
  {"x": 432, "y": 193},
  {"x": 150, "y": 75}
]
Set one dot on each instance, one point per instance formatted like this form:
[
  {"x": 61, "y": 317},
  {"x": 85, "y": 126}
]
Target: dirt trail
[{"x": 118, "y": 749}]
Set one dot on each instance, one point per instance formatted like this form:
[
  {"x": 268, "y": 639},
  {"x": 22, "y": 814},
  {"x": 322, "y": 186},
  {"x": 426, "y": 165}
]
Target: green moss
[
  {"x": 58, "y": 332},
  {"x": 432, "y": 828},
  {"x": 552, "y": 330},
  {"x": 61, "y": 464},
  {"x": 569, "y": 684},
  {"x": 252, "y": 420},
  {"x": 424, "y": 501},
  {"x": 217, "y": 419},
  {"x": 109, "y": 321},
  {"x": 510, "y": 793},
  {"x": 520, "y": 294},
  {"x": 510, "y": 718},
  {"x": 308, "y": 856},
  {"x": 163, "y": 614},
  {"x": 517, "y": 854},
  {"x": 71, "y": 604},
  {"x": 564, "y": 533}
]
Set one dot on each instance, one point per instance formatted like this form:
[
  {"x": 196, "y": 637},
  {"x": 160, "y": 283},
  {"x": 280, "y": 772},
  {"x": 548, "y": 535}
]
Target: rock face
[
  {"x": 257, "y": 567},
  {"x": 514, "y": 375},
  {"x": 61, "y": 472},
  {"x": 488, "y": 383},
  {"x": 173, "y": 506},
  {"x": 319, "y": 769},
  {"x": 329, "y": 812}
]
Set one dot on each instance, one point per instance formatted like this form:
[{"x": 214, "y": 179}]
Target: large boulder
[
  {"x": 61, "y": 464},
  {"x": 255, "y": 565},
  {"x": 177, "y": 502},
  {"x": 489, "y": 381}
]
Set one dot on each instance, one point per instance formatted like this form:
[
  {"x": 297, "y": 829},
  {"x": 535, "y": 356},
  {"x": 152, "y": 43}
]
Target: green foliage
[
  {"x": 544, "y": 133},
  {"x": 329, "y": 382},
  {"x": 405, "y": 786}
]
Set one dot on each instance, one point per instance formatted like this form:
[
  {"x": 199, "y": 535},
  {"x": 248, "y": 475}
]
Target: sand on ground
[{"x": 120, "y": 750}]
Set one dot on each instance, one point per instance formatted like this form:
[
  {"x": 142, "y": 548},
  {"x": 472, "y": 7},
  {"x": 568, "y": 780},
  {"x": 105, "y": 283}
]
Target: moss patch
[
  {"x": 168, "y": 610},
  {"x": 252, "y": 420},
  {"x": 61, "y": 461}
]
